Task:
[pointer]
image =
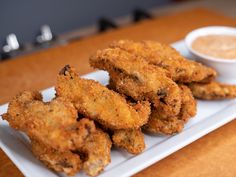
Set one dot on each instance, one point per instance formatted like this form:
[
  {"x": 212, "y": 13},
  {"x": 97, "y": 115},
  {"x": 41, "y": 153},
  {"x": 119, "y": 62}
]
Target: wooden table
[{"x": 213, "y": 155}]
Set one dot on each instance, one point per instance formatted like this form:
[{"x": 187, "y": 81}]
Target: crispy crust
[
  {"x": 189, "y": 104},
  {"x": 180, "y": 69},
  {"x": 97, "y": 148},
  {"x": 175, "y": 124},
  {"x": 52, "y": 123},
  {"x": 134, "y": 77},
  {"x": 130, "y": 140},
  {"x": 95, "y": 152},
  {"x": 67, "y": 162},
  {"x": 213, "y": 91},
  {"x": 57, "y": 137},
  {"x": 99, "y": 103}
]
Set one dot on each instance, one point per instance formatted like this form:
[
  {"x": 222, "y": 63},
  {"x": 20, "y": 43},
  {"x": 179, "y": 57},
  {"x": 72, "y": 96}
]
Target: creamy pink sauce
[{"x": 219, "y": 46}]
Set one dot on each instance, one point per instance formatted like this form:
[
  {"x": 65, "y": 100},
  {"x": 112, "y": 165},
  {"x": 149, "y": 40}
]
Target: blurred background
[{"x": 27, "y": 26}]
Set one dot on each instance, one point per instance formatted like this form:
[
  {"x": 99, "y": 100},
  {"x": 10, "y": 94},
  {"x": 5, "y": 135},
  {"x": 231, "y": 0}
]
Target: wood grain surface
[{"x": 212, "y": 156}]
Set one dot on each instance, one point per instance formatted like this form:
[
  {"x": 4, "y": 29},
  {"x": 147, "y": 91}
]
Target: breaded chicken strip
[
  {"x": 130, "y": 140},
  {"x": 66, "y": 161},
  {"x": 95, "y": 151},
  {"x": 181, "y": 69},
  {"x": 96, "y": 148},
  {"x": 167, "y": 126},
  {"x": 189, "y": 104},
  {"x": 134, "y": 77},
  {"x": 213, "y": 91},
  {"x": 172, "y": 125},
  {"x": 57, "y": 136},
  {"x": 16, "y": 109},
  {"x": 52, "y": 123},
  {"x": 99, "y": 103}
]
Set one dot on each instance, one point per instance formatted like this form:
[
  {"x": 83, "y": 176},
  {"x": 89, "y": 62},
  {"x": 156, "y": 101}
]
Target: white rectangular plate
[{"x": 210, "y": 116}]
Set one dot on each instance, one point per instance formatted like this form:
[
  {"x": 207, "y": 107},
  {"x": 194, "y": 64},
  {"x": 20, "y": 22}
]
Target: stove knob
[
  {"x": 139, "y": 15},
  {"x": 46, "y": 35},
  {"x": 11, "y": 43},
  {"x": 105, "y": 24},
  {"x": 11, "y": 48}
]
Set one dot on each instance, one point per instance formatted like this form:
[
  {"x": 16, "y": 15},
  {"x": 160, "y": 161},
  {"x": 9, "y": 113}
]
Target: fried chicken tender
[
  {"x": 172, "y": 125},
  {"x": 65, "y": 161},
  {"x": 97, "y": 148},
  {"x": 213, "y": 91},
  {"x": 181, "y": 69},
  {"x": 52, "y": 123},
  {"x": 57, "y": 137},
  {"x": 130, "y": 140},
  {"x": 134, "y": 77},
  {"x": 95, "y": 151},
  {"x": 99, "y": 103},
  {"x": 189, "y": 104},
  {"x": 17, "y": 106}
]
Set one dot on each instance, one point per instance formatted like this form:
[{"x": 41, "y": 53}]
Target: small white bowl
[{"x": 226, "y": 68}]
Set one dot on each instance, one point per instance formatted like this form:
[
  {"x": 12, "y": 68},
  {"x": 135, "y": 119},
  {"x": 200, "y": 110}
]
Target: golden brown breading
[
  {"x": 52, "y": 123},
  {"x": 67, "y": 162},
  {"x": 189, "y": 104},
  {"x": 134, "y": 77},
  {"x": 213, "y": 91},
  {"x": 17, "y": 106},
  {"x": 57, "y": 136},
  {"x": 97, "y": 148},
  {"x": 130, "y": 140},
  {"x": 171, "y": 125},
  {"x": 181, "y": 69},
  {"x": 95, "y": 152},
  {"x": 99, "y": 103},
  {"x": 166, "y": 126}
]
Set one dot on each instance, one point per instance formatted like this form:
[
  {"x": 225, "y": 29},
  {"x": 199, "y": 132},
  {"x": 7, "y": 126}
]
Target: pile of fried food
[{"x": 151, "y": 89}]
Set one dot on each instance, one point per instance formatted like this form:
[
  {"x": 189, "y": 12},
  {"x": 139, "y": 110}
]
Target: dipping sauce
[{"x": 218, "y": 46}]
